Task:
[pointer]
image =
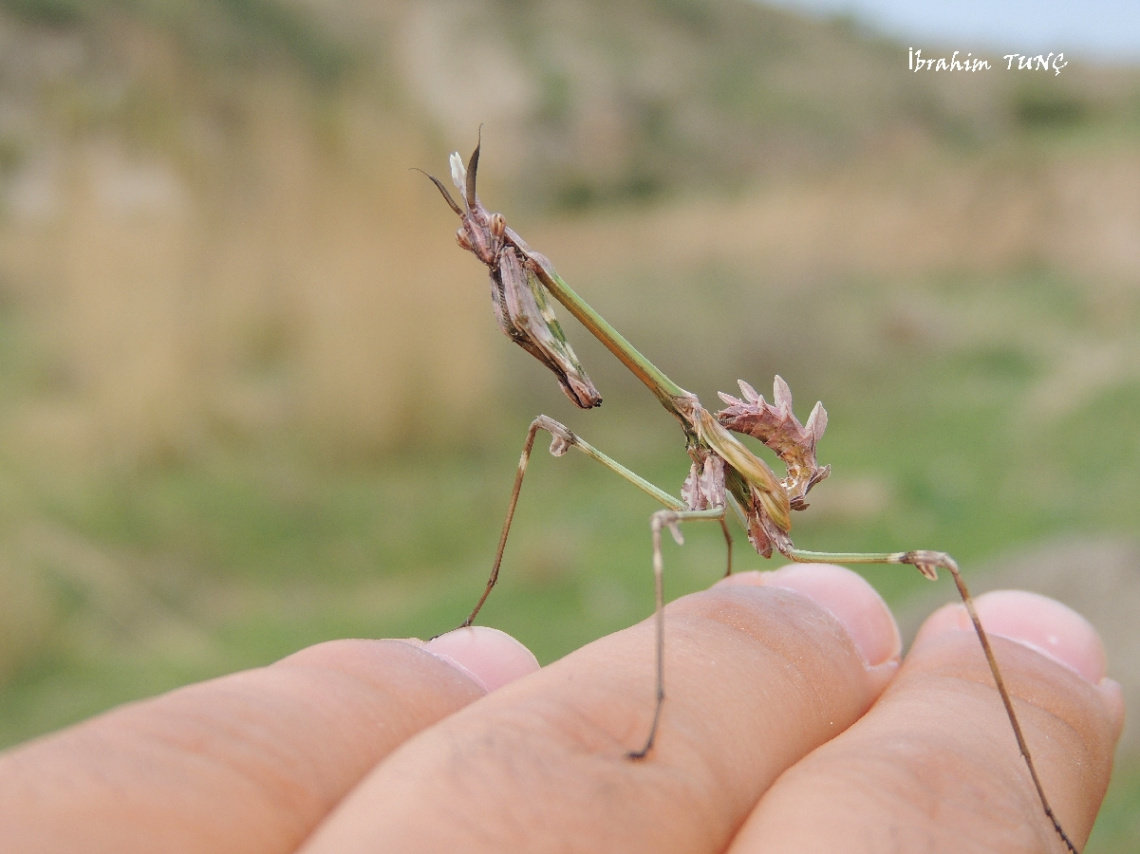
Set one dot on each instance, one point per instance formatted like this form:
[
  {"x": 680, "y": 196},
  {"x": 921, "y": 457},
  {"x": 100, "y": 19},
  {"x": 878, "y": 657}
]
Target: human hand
[{"x": 776, "y": 735}]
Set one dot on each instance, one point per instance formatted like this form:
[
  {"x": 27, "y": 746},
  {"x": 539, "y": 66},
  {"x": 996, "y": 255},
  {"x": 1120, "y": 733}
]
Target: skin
[{"x": 790, "y": 725}]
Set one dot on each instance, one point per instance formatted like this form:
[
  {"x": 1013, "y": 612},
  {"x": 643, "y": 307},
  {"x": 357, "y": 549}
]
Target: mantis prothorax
[{"x": 724, "y": 473}]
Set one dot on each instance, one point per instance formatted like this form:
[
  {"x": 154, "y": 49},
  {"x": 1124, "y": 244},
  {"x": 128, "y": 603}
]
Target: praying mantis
[{"x": 725, "y": 476}]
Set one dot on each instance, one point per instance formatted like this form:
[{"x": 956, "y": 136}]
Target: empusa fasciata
[{"x": 724, "y": 474}]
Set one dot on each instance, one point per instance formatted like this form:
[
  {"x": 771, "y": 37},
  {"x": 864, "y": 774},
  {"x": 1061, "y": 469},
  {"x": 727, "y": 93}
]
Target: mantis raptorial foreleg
[{"x": 724, "y": 473}]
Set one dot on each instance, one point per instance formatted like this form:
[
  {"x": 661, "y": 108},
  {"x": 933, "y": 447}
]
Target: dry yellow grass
[
  {"x": 909, "y": 212},
  {"x": 294, "y": 285}
]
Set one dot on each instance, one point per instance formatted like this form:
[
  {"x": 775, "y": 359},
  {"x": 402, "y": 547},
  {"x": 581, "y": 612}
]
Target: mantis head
[
  {"x": 521, "y": 306},
  {"x": 482, "y": 230}
]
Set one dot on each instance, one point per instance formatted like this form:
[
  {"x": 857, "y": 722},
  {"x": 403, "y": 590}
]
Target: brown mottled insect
[{"x": 724, "y": 473}]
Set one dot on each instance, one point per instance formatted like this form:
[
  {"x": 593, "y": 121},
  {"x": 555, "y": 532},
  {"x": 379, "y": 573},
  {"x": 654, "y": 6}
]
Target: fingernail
[
  {"x": 490, "y": 657},
  {"x": 1038, "y": 622},
  {"x": 848, "y": 598}
]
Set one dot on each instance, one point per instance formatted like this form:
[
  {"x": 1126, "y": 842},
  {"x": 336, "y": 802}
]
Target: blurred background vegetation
[{"x": 252, "y": 397}]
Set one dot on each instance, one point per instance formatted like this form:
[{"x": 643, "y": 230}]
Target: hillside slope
[{"x": 208, "y": 227}]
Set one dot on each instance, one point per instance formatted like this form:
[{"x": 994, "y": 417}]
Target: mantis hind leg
[{"x": 928, "y": 563}]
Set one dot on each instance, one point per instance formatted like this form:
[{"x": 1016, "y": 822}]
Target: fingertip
[
  {"x": 1045, "y": 626},
  {"x": 491, "y": 657},
  {"x": 1038, "y": 622},
  {"x": 1112, "y": 695},
  {"x": 847, "y": 596}
]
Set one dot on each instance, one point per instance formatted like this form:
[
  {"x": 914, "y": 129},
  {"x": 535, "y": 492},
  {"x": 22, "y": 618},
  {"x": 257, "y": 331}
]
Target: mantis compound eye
[
  {"x": 463, "y": 240},
  {"x": 498, "y": 225}
]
